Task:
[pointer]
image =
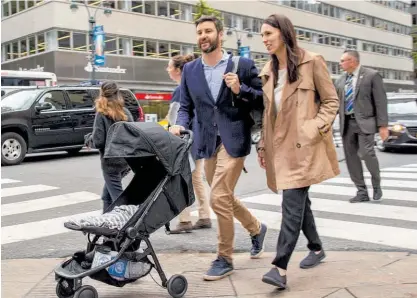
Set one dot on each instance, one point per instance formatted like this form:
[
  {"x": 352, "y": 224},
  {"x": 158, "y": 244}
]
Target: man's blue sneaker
[
  {"x": 219, "y": 268},
  {"x": 258, "y": 243}
]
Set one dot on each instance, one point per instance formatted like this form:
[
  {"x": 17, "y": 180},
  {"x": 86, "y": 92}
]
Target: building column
[{"x": 51, "y": 40}]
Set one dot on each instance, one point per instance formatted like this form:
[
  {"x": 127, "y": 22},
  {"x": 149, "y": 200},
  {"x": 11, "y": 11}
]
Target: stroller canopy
[{"x": 144, "y": 139}]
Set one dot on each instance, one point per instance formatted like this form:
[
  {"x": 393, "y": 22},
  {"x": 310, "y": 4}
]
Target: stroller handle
[{"x": 188, "y": 135}]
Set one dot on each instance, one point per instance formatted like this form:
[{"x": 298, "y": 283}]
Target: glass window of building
[
  {"x": 23, "y": 48},
  {"x": 64, "y": 40},
  {"x": 31, "y": 3},
  {"x": 138, "y": 47},
  {"x": 163, "y": 50},
  {"x": 175, "y": 11},
  {"x": 13, "y": 7},
  {"x": 41, "y": 43},
  {"x": 228, "y": 20},
  {"x": 79, "y": 41},
  {"x": 15, "y": 50},
  {"x": 162, "y": 8},
  {"x": 5, "y": 9},
  {"x": 175, "y": 49},
  {"x": 151, "y": 49},
  {"x": 32, "y": 45},
  {"x": 196, "y": 50},
  {"x": 247, "y": 23},
  {"x": 150, "y": 7},
  {"x": 137, "y": 6},
  {"x": 22, "y": 5},
  {"x": 111, "y": 45}
]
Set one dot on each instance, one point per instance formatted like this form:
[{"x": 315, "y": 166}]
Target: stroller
[{"x": 160, "y": 189}]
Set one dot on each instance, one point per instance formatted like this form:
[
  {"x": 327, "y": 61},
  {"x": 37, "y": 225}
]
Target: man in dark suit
[
  {"x": 222, "y": 102},
  {"x": 363, "y": 113}
]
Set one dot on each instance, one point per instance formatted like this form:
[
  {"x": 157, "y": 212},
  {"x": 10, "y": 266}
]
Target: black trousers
[
  {"x": 113, "y": 175},
  {"x": 296, "y": 216},
  {"x": 357, "y": 146}
]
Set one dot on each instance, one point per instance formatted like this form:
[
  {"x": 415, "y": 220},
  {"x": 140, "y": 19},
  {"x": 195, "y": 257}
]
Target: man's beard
[{"x": 213, "y": 45}]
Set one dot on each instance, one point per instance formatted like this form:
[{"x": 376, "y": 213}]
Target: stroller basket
[{"x": 161, "y": 188}]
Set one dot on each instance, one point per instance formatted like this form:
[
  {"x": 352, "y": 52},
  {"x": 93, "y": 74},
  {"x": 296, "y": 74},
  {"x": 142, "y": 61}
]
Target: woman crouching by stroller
[{"x": 109, "y": 109}]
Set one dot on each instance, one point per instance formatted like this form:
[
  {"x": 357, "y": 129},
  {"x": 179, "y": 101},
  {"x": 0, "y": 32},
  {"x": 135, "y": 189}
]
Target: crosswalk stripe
[
  {"x": 48, "y": 203},
  {"x": 14, "y": 191},
  {"x": 38, "y": 229},
  {"x": 394, "y": 175},
  {"x": 383, "y": 235},
  {"x": 411, "y": 170},
  {"x": 410, "y": 166},
  {"x": 400, "y": 195},
  {"x": 6, "y": 181},
  {"x": 341, "y": 207},
  {"x": 384, "y": 182}
]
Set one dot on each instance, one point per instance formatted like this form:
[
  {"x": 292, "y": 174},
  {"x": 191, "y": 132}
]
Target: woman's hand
[
  {"x": 261, "y": 161},
  {"x": 261, "y": 158}
]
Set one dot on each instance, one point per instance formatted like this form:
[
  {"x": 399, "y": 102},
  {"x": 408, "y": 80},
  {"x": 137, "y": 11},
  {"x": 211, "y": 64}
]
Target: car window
[
  {"x": 403, "y": 106},
  {"x": 56, "y": 98},
  {"x": 80, "y": 99},
  {"x": 128, "y": 98}
]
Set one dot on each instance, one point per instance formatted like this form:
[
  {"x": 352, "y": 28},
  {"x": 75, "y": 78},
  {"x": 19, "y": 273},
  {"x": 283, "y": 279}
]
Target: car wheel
[{"x": 13, "y": 149}]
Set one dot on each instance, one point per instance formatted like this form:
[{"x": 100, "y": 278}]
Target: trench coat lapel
[{"x": 268, "y": 89}]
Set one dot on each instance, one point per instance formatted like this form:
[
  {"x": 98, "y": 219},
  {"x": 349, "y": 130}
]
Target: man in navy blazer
[{"x": 222, "y": 101}]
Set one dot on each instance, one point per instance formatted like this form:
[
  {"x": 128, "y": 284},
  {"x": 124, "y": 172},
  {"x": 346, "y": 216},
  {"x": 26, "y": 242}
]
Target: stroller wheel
[
  {"x": 86, "y": 292},
  {"x": 64, "y": 290},
  {"x": 177, "y": 286}
]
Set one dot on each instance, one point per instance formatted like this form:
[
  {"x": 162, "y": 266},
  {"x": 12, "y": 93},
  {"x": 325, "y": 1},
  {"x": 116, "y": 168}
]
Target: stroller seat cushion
[{"x": 113, "y": 220}]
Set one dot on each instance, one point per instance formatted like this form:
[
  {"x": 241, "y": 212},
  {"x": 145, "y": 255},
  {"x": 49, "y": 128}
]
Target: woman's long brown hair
[
  {"x": 110, "y": 103},
  {"x": 285, "y": 26}
]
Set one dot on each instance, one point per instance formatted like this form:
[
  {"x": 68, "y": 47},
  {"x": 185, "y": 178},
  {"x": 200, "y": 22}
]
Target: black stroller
[{"x": 161, "y": 188}]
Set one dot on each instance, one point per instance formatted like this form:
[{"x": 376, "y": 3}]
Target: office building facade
[{"x": 142, "y": 35}]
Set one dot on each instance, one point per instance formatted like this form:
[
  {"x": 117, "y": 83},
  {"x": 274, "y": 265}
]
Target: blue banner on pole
[
  {"x": 244, "y": 52},
  {"x": 98, "y": 33}
]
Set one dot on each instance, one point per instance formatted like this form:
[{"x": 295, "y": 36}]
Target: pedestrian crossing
[{"x": 392, "y": 222}]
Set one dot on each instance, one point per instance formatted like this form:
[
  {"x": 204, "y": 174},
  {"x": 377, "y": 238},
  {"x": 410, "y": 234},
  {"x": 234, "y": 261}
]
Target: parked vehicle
[
  {"x": 21, "y": 79},
  {"x": 49, "y": 119},
  {"x": 402, "y": 116}
]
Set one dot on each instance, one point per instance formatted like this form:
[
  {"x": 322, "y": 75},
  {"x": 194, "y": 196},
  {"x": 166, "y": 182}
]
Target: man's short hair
[
  {"x": 217, "y": 23},
  {"x": 353, "y": 53}
]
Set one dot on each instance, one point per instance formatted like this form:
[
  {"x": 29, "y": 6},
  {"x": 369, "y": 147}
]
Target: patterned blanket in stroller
[{"x": 114, "y": 219}]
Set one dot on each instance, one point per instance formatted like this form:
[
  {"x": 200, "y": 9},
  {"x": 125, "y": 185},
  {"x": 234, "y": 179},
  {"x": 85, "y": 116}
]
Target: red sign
[{"x": 153, "y": 96}]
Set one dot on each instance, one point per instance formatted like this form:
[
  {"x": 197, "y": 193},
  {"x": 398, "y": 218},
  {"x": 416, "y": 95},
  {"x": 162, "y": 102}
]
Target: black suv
[{"x": 51, "y": 119}]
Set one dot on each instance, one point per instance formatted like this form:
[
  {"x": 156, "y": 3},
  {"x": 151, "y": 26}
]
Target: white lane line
[
  {"x": 384, "y": 182},
  {"x": 39, "y": 229},
  {"x": 14, "y": 191},
  {"x": 48, "y": 203},
  {"x": 383, "y": 235},
  {"x": 341, "y": 207},
  {"x": 395, "y": 175},
  {"x": 6, "y": 181},
  {"x": 399, "y": 195}
]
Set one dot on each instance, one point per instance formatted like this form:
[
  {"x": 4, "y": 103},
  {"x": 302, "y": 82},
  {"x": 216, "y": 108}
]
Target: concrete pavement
[{"x": 342, "y": 275}]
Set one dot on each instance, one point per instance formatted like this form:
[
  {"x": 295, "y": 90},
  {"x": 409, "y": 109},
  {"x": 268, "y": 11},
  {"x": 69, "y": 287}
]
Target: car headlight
[{"x": 397, "y": 128}]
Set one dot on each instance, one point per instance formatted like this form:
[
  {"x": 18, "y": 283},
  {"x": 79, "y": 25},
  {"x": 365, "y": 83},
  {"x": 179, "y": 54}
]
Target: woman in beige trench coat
[{"x": 296, "y": 148}]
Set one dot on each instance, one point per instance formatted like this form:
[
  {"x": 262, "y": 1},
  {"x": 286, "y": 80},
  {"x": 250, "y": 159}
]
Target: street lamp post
[
  {"x": 92, "y": 22},
  {"x": 238, "y": 36}
]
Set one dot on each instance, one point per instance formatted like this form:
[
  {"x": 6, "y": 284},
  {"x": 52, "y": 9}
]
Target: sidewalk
[{"x": 342, "y": 275}]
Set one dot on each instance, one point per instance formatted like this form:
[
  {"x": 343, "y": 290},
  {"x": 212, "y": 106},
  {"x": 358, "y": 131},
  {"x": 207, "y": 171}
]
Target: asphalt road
[{"x": 389, "y": 223}]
